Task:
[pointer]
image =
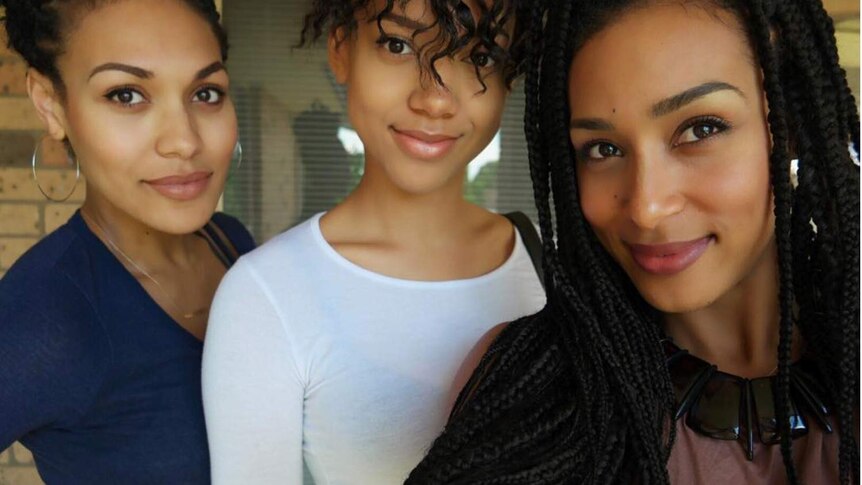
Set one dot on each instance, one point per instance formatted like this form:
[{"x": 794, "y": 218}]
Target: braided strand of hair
[{"x": 598, "y": 374}]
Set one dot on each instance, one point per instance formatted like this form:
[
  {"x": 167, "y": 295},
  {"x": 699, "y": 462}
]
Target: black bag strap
[
  {"x": 219, "y": 243},
  {"x": 531, "y": 240}
]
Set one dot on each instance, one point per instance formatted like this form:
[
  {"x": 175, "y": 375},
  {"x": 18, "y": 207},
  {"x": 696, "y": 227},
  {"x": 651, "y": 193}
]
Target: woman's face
[
  {"x": 417, "y": 134},
  {"x": 668, "y": 118},
  {"x": 147, "y": 112}
]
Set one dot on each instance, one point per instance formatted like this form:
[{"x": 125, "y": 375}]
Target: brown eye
[
  {"x": 397, "y": 46},
  {"x": 482, "y": 59},
  {"x": 125, "y": 97},
  {"x": 209, "y": 96},
  {"x": 702, "y": 129},
  {"x": 603, "y": 150}
]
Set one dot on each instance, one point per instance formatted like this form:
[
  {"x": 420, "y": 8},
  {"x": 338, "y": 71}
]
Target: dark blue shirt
[{"x": 95, "y": 378}]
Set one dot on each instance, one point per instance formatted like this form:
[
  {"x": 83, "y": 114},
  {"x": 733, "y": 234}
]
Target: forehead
[
  {"x": 422, "y": 10},
  {"x": 148, "y": 33},
  {"x": 660, "y": 50}
]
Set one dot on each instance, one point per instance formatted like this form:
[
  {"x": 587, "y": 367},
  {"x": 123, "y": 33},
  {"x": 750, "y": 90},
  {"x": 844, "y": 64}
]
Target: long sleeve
[{"x": 252, "y": 390}]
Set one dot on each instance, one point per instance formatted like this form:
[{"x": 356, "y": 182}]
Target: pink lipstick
[
  {"x": 423, "y": 145},
  {"x": 181, "y": 187},
  {"x": 669, "y": 258}
]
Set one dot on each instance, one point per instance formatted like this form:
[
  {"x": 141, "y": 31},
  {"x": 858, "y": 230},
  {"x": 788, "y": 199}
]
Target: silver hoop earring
[
  {"x": 237, "y": 155},
  {"x": 36, "y": 177}
]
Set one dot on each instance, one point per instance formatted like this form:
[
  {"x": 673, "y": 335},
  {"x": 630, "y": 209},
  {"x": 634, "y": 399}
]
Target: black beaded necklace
[{"x": 728, "y": 407}]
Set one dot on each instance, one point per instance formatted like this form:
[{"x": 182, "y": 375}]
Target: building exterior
[{"x": 300, "y": 155}]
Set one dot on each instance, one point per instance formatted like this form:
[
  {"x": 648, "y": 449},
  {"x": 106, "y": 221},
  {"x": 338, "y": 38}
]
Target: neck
[
  {"x": 739, "y": 331},
  {"x": 378, "y": 207},
  {"x": 149, "y": 248}
]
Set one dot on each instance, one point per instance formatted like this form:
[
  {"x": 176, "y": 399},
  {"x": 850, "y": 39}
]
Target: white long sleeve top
[{"x": 313, "y": 360}]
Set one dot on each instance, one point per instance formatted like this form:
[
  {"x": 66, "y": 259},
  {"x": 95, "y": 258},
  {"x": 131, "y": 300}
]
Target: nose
[
  {"x": 178, "y": 135},
  {"x": 656, "y": 191},
  {"x": 431, "y": 99}
]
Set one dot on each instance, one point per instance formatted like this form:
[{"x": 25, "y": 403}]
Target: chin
[
  {"x": 675, "y": 300},
  {"x": 417, "y": 184},
  {"x": 181, "y": 220}
]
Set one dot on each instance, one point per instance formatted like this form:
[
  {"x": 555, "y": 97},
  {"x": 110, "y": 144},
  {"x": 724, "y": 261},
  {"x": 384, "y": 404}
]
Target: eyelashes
[
  {"x": 209, "y": 95},
  {"x": 125, "y": 96},
  {"x": 130, "y": 96},
  {"x": 692, "y": 132},
  {"x": 701, "y": 128},
  {"x": 397, "y": 46}
]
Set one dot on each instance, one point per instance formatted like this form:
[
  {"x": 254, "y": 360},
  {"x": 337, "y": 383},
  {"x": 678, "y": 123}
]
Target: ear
[
  {"x": 338, "y": 48},
  {"x": 48, "y": 104}
]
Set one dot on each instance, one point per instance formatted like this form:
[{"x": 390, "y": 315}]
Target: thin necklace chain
[{"x": 116, "y": 249}]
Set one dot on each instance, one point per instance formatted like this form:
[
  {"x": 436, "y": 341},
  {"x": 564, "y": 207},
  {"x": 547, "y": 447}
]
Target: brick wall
[{"x": 25, "y": 214}]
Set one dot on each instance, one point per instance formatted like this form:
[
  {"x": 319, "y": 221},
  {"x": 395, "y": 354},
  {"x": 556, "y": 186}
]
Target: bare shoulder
[
  {"x": 493, "y": 226},
  {"x": 492, "y": 238}
]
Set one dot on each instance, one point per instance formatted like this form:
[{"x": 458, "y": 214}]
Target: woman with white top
[{"x": 336, "y": 344}]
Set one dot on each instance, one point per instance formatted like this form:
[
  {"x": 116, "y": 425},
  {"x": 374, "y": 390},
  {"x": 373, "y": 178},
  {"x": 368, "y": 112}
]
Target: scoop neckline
[{"x": 317, "y": 235}]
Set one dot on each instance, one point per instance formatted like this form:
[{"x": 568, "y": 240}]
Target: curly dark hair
[
  {"x": 580, "y": 392},
  {"x": 37, "y": 29},
  {"x": 455, "y": 24}
]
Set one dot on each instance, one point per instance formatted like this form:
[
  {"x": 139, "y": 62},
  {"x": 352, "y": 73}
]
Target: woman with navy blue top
[{"x": 102, "y": 322}]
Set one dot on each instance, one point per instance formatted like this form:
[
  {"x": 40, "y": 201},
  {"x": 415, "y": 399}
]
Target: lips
[
  {"x": 423, "y": 145},
  {"x": 669, "y": 258},
  {"x": 181, "y": 187}
]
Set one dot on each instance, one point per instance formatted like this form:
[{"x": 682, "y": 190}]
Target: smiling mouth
[
  {"x": 669, "y": 258},
  {"x": 423, "y": 145}
]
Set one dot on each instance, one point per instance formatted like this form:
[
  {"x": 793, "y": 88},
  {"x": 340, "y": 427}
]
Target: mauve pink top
[{"x": 697, "y": 459}]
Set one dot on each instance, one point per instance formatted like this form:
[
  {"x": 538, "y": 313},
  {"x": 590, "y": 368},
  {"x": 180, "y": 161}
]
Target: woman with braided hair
[
  {"x": 702, "y": 323},
  {"x": 102, "y": 321}
]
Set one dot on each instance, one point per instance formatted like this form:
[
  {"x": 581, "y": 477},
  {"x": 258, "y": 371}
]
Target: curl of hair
[
  {"x": 38, "y": 29},
  {"x": 454, "y": 24},
  {"x": 580, "y": 392}
]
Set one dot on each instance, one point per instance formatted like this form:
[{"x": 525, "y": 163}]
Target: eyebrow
[
  {"x": 117, "y": 66},
  {"x": 663, "y": 107},
  {"x": 403, "y": 21},
  {"x": 595, "y": 124},
  {"x": 211, "y": 69},
  {"x": 677, "y": 101},
  {"x": 145, "y": 74}
]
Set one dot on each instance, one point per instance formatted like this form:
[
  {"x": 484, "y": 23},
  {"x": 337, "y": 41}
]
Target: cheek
[
  {"x": 219, "y": 135},
  {"x": 485, "y": 113},
  {"x": 374, "y": 96},
  {"x": 598, "y": 200},
  {"x": 373, "y": 84},
  {"x": 107, "y": 148},
  {"x": 740, "y": 188}
]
